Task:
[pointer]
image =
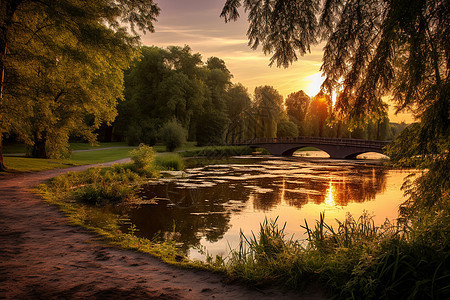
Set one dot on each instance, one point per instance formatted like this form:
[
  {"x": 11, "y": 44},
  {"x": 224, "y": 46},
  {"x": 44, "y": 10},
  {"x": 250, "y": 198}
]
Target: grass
[
  {"x": 101, "y": 156},
  {"x": 25, "y": 164},
  {"x": 357, "y": 260},
  {"x": 308, "y": 149},
  {"x": 170, "y": 161},
  {"x": 87, "y": 146}
]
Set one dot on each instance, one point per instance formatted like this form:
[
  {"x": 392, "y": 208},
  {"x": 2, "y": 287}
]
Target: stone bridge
[{"x": 336, "y": 148}]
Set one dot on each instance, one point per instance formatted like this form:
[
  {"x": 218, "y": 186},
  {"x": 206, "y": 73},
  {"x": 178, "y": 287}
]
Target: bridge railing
[{"x": 315, "y": 140}]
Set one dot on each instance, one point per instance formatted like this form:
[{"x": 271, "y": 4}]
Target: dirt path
[{"x": 42, "y": 257}]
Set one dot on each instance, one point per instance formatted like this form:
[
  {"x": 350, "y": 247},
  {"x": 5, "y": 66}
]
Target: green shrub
[
  {"x": 173, "y": 135},
  {"x": 103, "y": 193},
  {"x": 143, "y": 157},
  {"x": 169, "y": 162}
]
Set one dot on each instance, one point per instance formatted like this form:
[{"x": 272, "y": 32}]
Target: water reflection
[
  {"x": 202, "y": 206},
  {"x": 330, "y": 195}
]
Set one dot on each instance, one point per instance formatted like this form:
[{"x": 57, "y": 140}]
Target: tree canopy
[{"x": 62, "y": 66}]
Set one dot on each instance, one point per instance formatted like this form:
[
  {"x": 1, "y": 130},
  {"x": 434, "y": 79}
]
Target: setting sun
[{"x": 316, "y": 81}]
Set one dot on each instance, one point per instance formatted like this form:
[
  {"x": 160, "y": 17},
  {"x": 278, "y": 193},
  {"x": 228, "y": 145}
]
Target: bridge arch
[
  {"x": 336, "y": 148},
  {"x": 291, "y": 151}
]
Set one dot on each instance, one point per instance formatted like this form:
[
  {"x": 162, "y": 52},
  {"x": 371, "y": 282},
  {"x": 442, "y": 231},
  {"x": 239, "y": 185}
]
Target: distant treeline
[{"x": 175, "y": 85}]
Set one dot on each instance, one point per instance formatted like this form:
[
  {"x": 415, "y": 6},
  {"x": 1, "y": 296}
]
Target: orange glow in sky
[{"x": 197, "y": 24}]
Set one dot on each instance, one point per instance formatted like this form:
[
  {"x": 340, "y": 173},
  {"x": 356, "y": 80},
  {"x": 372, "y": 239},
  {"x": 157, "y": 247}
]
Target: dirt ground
[{"x": 42, "y": 257}]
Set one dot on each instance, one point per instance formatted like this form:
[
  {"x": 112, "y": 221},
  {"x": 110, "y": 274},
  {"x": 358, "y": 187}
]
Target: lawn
[
  {"x": 20, "y": 148},
  {"x": 112, "y": 151},
  {"x": 25, "y": 164},
  {"x": 101, "y": 156}
]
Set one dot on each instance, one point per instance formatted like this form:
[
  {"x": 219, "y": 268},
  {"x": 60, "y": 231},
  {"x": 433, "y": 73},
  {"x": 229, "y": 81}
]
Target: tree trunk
[
  {"x": 2, "y": 162},
  {"x": 10, "y": 8},
  {"x": 39, "y": 148},
  {"x": 5, "y": 49}
]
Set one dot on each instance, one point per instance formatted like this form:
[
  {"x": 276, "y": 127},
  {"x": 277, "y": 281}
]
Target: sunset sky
[{"x": 197, "y": 23}]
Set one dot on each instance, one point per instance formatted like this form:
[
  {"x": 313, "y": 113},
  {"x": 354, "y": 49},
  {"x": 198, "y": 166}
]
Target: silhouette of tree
[
  {"x": 373, "y": 48},
  {"x": 297, "y": 105}
]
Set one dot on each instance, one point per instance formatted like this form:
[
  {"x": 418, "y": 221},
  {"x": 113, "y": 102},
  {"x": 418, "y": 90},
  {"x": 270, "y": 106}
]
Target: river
[{"x": 205, "y": 210}]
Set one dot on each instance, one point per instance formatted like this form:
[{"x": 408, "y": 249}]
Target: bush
[
  {"x": 102, "y": 194},
  {"x": 173, "y": 135},
  {"x": 143, "y": 157},
  {"x": 170, "y": 162}
]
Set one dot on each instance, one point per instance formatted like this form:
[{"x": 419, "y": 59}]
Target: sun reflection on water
[{"x": 330, "y": 196}]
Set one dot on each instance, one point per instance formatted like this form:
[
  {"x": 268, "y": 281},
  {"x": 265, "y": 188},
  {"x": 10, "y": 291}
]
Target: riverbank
[{"x": 43, "y": 257}]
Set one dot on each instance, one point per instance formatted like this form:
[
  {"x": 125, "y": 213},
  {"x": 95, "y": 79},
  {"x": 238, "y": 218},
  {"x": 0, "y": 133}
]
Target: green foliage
[
  {"x": 173, "y": 83},
  {"x": 173, "y": 135},
  {"x": 238, "y": 108},
  {"x": 171, "y": 162},
  {"x": 211, "y": 128},
  {"x": 101, "y": 194},
  {"x": 297, "y": 105},
  {"x": 286, "y": 128},
  {"x": 145, "y": 132},
  {"x": 43, "y": 102},
  {"x": 318, "y": 113},
  {"x": 268, "y": 105},
  {"x": 143, "y": 157}
]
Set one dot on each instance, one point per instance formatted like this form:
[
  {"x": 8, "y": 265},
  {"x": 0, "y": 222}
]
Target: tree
[
  {"x": 213, "y": 122},
  {"x": 268, "y": 104},
  {"x": 238, "y": 108},
  {"x": 297, "y": 105},
  {"x": 286, "y": 128},
  {"x": 65, "y": 52},
  {"x": 162, "y": 84},
  {"x": 373, "y": 48},
  {"x": 318, "y": 113}
]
